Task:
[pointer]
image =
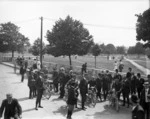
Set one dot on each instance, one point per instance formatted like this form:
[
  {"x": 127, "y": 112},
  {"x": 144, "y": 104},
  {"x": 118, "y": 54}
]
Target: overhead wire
[{"x": 102, "y": 26}]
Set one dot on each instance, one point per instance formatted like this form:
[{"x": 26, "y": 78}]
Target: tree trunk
[
  {"x": 95, "y": 61},
  {"x": 12, "y": 54},
  {"x": 70, "y": 61}
]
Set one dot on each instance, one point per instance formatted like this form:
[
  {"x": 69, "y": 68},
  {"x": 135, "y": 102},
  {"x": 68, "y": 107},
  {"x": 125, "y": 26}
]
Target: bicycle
[
  {"x": 91, "y": 97},
  {"x": 113, "y": 100},
  {"x": 48, "y": 86}
]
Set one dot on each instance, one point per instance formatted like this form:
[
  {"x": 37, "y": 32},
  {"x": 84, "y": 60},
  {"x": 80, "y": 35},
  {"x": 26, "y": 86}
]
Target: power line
[
  {"x": 102, "y": 26},
  {"x": 113, "y": 27}
]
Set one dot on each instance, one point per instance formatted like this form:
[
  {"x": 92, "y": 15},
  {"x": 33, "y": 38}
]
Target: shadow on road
[
  {"x": 62, "y": 110},
  {"x": 23, "y": 99},
  {"x": 56, "y": 99},
  {"x": 110, "y": 112},
  {"x": 28, "y": 110}
]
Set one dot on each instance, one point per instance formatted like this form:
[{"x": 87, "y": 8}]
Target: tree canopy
[
  {"x": 11, "y": 39},
  {"x": 137, "y": 49},
  {"x": 69, "y": 37},
  {"x": 96, "y": 50},
  {"x": 110, "y": 49},
  {"x": 143, "y": 27},
  {"x": 120, "y": 50},
  {"x": 35, "y": 49}
]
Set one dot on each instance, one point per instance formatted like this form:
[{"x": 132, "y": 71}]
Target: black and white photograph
[{"x": 74, "y": 59}]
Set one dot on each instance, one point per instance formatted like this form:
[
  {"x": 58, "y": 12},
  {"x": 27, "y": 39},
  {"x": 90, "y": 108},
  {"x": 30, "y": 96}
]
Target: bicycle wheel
[
  {"x": 47, "y": 94},
  {"x": 94, "y": 100}
]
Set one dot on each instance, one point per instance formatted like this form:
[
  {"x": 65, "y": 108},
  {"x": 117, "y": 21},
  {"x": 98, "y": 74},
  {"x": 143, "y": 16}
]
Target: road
[
  {"x": 53, "y": 108},
  {"x": 146, "y": 71}
]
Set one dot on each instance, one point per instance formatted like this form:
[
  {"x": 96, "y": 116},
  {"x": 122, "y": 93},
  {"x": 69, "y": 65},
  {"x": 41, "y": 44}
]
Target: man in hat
[
  {"x": 145, "y": 99},
  {"x": 12, "y": 108},
  {"x": 139, "y": 84},
  {"x": 40, "y": 89},
  {"x": 62, "y": 81},
  {"x": 71, "y": 101},
  {"x": 137, "y": 110},
  {"x": 55, "y": 79},
  {"x": 83, "y": 86}
]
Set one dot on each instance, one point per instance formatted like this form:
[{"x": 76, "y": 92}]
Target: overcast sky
[{"x": 108, "y": 21}]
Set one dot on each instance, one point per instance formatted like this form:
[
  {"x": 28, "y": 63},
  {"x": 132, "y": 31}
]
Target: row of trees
[{"x": 69, "y": 37}]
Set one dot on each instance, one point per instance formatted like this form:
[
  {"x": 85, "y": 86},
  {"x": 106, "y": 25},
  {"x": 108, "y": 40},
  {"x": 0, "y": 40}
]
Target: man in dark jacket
[
  {"x": 12, "y": 108},
  {"x": 71, "y": 100},
  {"x": 40, "y": 89},
  {"x": 105, "y": 86},
  {"x": 99, "y": 86},
  {"x": 62, "y": 81},
  {"x": 83, "y": 86},
  {"x": 139, "y": 84},
  {"x": 55, "y": 79},
  {"x": 145, "y": 99},
  {"x": 22, "y": 72},
  {"x": 133, "y": 84},
  {"x": 31, "y": 84},
  {"x": 137, "y": 110},
  {"x": 126, "y": 90}
]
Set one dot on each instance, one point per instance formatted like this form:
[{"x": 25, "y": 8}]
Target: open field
[{"x": 102, "y": 62}]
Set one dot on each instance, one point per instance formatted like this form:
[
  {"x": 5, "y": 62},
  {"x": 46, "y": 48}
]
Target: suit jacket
[
  {"x": 83, "y": 87},
  {"x": 139, "y": 83},
  {"x": 71, "y": 96},
  {"x": 142, "y": 99},
  {"x": 126, "y": 86},
  {"x": 138, "y": 113},
  {"x": 39, "y": 84},
  {"x": 10, "y": 109}
]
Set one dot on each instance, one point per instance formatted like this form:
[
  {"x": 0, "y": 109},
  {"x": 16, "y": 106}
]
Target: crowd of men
[{"x": 104, "y": 82}]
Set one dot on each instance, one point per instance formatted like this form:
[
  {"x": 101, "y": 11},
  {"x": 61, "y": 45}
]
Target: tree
[
  {"x": 24, "y": 43},
  {"x": 143, "y": 27},
  {"x": 96, "y": 50},
  {"x": 110, "y": 48},
  {"x": 69, "y": 37},
  {"x": 137, "y": 49},
  {"x": 131, "y": 50},
  {"x": 11, "y": 38},
  {"x": 35, "y": 49},
  {"x": 120, "y": 50},
  {"x": 103, "y": 48}
]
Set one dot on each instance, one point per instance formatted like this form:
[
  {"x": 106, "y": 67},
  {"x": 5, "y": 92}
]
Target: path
[{"x": 141, "y": 68}]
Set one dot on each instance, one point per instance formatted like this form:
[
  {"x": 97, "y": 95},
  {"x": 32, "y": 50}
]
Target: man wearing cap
[
  {"x": 12, "y": 108},
  {"x": 62, "y": 81},
  {"x": 83, "y": 86},
  {"x": 55, "y": 79},
  {"x": 145, "y": 99},
  {"x": 40, "y": 89},
  {"x": 139, "y": 84},
  {"x": 137, "y": 110}
]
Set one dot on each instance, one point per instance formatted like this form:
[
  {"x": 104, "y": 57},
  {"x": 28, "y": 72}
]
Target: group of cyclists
[{"x": 99, "y": 87}]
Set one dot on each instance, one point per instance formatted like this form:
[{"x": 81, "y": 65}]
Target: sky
[{"x": 108, "y": 21}]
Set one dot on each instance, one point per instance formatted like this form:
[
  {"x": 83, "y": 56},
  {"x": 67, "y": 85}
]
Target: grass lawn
[{"x": 102, "y": 62}]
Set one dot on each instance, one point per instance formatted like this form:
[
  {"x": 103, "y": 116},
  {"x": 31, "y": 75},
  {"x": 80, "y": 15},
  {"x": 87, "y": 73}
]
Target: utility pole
[{"x": 41, "y": 56}]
